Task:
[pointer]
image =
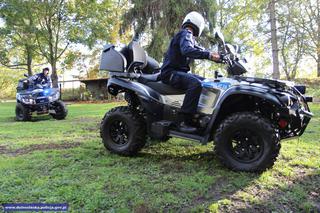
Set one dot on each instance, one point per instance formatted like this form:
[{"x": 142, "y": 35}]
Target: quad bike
[
  {"x": 246, "y": 117},
  {"x": 39, "y": 100}
]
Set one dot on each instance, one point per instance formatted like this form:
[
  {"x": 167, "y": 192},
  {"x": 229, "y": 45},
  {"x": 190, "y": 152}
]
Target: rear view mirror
[
  {"x": 25, "y": 84},
  {"x": 237, "y": 48},
  {"x": 230, "y": 48},
  {"x": 219, "y": 37},
  {"x": 26, "y": 75}
]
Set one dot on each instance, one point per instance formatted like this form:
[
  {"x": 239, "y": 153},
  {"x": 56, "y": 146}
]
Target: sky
[{"x": 1, "y": 22}]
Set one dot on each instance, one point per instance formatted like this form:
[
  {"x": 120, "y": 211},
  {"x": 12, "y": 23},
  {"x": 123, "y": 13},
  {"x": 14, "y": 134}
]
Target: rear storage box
[{"x": 112, "y": 60}]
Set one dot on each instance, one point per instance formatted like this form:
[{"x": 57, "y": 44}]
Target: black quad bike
[
  {"x": 39, "y": 100},
  {"x": 246, "y": 117}
]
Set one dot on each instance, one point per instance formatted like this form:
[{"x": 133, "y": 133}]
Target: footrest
[{"x": 187, "y": 136}]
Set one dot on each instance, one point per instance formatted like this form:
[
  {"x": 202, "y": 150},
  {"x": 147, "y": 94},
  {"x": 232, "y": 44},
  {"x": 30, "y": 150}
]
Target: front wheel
[
  {"x": 123, "y": 131},
  {"x": 22, "y": 113},
  {"x": 246, "y": 141},
  {"x": 60, "y": 109}
]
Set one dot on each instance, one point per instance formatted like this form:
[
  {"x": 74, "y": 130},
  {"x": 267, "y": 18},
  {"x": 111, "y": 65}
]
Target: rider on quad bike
[
  {"x": 35, "y": 96},
  {"x": 41, "y": 79},
  {"x": 175, "y": 68}
]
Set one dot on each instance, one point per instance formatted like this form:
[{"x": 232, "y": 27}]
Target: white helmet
[{"x": 196, "y": 21}]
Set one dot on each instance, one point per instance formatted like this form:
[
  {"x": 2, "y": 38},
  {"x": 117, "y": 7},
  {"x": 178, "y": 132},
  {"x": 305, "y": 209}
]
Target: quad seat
[
  {"x": 165, "y": 89},
  {"x": 153, "y": 81}
]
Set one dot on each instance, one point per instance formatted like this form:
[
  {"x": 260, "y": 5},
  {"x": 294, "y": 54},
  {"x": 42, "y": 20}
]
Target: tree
[
  {"x": 97, "y": 23},
  {"x": 292, "y": 38},
  {"x": 158, "y": 21},
  {"x": 51, "y": 34},
  {"x": 274, "y": 40},
  {"x": 285, "y": 36},
  {"x": 61, "y": 23},
  {"x": 17, "y": 35},
  {"x": 309, "y": 20}
]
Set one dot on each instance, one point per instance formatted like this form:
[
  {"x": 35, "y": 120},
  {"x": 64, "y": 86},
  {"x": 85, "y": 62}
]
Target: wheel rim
[
  {"x": 119, "y": 132},
  {"x": 245, "y": 146}
]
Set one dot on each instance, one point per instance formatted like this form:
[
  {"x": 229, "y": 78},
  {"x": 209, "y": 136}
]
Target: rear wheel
[
  {"x": 22, "y": 113},
  {"x": 61, "y": 110},
  {"x": 123, "y": 131},
  {"x": 246, "y": 141}
]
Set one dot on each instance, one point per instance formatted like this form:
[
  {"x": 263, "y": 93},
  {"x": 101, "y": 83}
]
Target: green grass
[{"x": 64, "y": 161}]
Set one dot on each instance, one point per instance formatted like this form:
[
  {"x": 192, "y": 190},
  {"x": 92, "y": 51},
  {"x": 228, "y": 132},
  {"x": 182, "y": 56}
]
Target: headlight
[
  {"x": 46, "y": 92},
  {"x": 54, "y": 97},
  {"x": 28, "y": 100}
]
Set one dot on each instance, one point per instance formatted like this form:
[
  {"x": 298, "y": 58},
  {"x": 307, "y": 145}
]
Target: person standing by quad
[
  {"x": 175, "y": 68},
  {"x": 41, "y": 79}
]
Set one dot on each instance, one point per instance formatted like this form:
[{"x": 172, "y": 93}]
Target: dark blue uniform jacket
[
  {"x": 40, "y": 78},
  {"x": 183, "y": 47}
]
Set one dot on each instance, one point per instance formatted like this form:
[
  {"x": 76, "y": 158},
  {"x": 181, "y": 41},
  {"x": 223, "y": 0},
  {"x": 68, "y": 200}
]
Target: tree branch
[
  {"x": 65, "y": 48},
  {"x": 15, "y": 66}
]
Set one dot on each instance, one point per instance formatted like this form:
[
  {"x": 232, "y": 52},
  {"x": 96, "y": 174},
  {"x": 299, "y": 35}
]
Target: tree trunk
[
  {"x": 29, "y": 60},
  {"x": 287, "y": 74},
  {"x": 318, "y": 64},
  {"x": 54, "y": 76},
  {"x": 29, "y": 70},
  {"x": 318, "y": 48},
  {"x": 274, "y": 41}
]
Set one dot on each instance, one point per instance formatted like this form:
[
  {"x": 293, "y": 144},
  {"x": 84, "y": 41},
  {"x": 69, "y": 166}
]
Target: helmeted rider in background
[
  {"x": 42, "y": 79},
  {"x": 175, "y": 68}
]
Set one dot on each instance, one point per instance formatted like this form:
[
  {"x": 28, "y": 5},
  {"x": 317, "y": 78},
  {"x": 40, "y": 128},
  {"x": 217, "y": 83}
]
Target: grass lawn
[{"x": 53, "y": 161}]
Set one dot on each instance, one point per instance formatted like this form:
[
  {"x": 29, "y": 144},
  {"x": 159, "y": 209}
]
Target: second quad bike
[
  {"x": 39, "y": 100},
  {"x": 246, "y": 117}
]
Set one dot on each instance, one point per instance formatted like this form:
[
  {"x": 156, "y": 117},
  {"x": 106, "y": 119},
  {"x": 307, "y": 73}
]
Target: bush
[
  {"x": 83, "y": 94},
  {"x": 73, "y": 94},
  {"x": 313, "y": 86},
  {"x": 9, "y": 81}
]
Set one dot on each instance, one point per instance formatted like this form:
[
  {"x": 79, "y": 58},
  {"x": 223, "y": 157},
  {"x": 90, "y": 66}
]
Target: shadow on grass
[
  {"x": 227, "y": 182},
  {"x": 185, "y": 167},
  {"x": 36, "y": 147},
  {"x": 36, "y": 118},
  {"x": 301, "y": 194}
]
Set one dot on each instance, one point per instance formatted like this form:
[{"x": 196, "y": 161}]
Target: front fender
[
  {"x": 262, "y": 93},
  {"x": 249, "y": 90}
]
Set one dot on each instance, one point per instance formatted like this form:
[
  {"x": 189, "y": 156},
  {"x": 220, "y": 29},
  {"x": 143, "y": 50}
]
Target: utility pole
[{"x": 274, "y": 40}]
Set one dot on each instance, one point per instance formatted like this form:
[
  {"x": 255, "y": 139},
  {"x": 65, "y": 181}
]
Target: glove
[
  {"x": 221, "y": 58},
  {"x": 218, "y": 58}
]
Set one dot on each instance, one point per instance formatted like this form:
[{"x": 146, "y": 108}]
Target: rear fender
[{"x": 117, "y": 85}]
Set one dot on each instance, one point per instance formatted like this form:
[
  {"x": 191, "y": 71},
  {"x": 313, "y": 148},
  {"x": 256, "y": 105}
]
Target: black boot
[{"x": 186, "y": 125}]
